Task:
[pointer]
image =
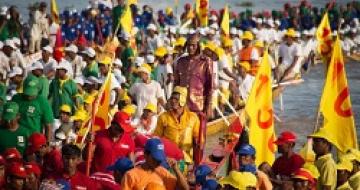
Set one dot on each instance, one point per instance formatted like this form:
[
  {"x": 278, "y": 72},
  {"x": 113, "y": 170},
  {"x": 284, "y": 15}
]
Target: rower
[{"x": 248, "y": 52}]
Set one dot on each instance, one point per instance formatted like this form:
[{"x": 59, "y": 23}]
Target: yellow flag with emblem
[
  {"x": 324, "y": 38},
  {"x": 259, "y": 114},
  {"x": 225, "y": 22},
  {"x": 335, "y": 104}
]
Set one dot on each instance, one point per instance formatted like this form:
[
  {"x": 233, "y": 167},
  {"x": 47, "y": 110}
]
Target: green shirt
[
  {"x": 43, "y": 84},
  {"x": 126, "y": 54},
  {"x": 4, "y": 33},
  {"x": 34, "y": 113},
  {"x": 91, "y": 70},
  {"x": 60, "y": 95},
  {"x": 14, "y": 139}
]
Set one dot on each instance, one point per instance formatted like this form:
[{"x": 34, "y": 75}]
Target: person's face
[
  {"x": 151, "y": 32},
  {"x": 8, "y": 50},
  {"x": 70, "y": 54},
  {"x": 45, "y": 55},
  {"x": 152, "y": 163},
  {"x": 70, "y": 162},
  {"x": 319, "y": 146},
  {"x": 31, "y": 181},
  {"x": 42, "y": 151},
  {"x": 118, "y": 176},
  {"x": 300, "y": 184},
  {"x": 289, "y": 40},
  {"x": 104, "y": 69},
  {"x": 192, "y": 46},
  {"x": 61, "y": 73},
  {"x": 37, "y": 72},
  {"x": 245, "y": 159},
  {"x": 210, "y": 36},
  {"x": 144, "y": 76},
  {"x": 229, "y": 187},
  {"x": 342, "y": 176},
  {"x": 284, "y": 148},
  {"x": 16, "y": 183},
  {"x": 174, "y": 101},
  {"x": 77, "y": 124},
  {"x": 228, "y": 49},
  {"x": 17, "y": 79},
  {"x": 29, "y": 98},
  {"x": 115, "y": 130},
  {"x": 245, "y": 42},
  {"x": 64, "y": 117},
  {"x": 88, "y": 107}
]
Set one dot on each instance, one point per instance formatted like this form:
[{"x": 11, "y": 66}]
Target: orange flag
[
  {"x": 259, "y": 113},
  {"x": 335, "y": 104},
  {"x": 202, "y": 9},
  {"x": 324, "y": 38}
]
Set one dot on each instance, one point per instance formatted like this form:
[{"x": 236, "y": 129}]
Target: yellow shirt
[
  {"x": 182, "y": 132},
  {"x": 345, "y": 186},
  {"x": 138, "y": 179},
  {"x": 354, "y": 181},
  {"x": 327, "y": 169}
]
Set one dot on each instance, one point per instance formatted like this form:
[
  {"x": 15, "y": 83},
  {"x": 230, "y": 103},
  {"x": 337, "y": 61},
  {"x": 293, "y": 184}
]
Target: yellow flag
[
  {"x": 126, "y": 20},
  {"x": 259, "y": 113},
  {"x": 54, "y": 11},
  {"x": 130, "y": 2},
  {"x": 101, "y": 106},
  {"x": 202, "y": 8},
  {"x": 324, "y": 38},
  {"x": 335, "y": 104},
  {"x": 225, "y": 22}
]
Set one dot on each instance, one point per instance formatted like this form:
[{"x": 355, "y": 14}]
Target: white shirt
[
  {"x": 77, "y": 65},
  {"x": 288, "y": 53},
  {"x": 4, "y": 64},
  {"x": 140, "y": 129},
  {"x": 153, "y": 43},
  {"x": 223, "y": 64},
  {"x": 19, "y": 60},
  {"x": 245, "y": 86},
  {"x": 49, "y": 66},
  {"x": 146, "y": 93}
]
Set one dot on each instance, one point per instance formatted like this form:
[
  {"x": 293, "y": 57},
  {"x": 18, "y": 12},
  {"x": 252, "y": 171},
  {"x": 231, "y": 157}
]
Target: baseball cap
[
  {"x": 151, "y": 27},
  {"x": 239, "y": 180},
  {"x": 80, "y": 115},
  {"x": 246, "y": 149},
  {"x": 79, "y": 80},
  {"x": 48, "y": 49},
  {"x": 160, "y": 51},
  {"x": 10, "y": 43},
  {"x": 35, "y": 142},
  {"x": 16, "y": 169},
  {"x": 105, "y": 60},
  {"x": 11, "y": 154},
  {"x": 15, "y": 71},
  {"x": 118, "y": 62},
  {"x": 151, "y": 107},
  {"x": 72, "y": 48},
  {"x": 65, "y": 108},
  {"x": 89, "y": 52},
  {"x": 33, "y": 167},
  {"x": 31, "y": 86},
  {"x": 286, "y": 137},
  {"x": 201, "y": 172},
  {"x": 139, "y": 61},
  {"x": 248, "y": 168},
  {"x": 122, "y": 165},
  {"x": 344, "y": 164},
  {"x": 10, "y": 111},
  {"x": 150, "y": 59},
  {"x": 145, "y": 68},
  {"x": 210, "y": 184},
  {"x": 123, "y": 120},
  {"x": 36, "y": 65},
  {"x": 156, "y": 149},
  {"x": 303, "y": 174}
]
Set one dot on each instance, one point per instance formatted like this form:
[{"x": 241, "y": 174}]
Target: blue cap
[
  {"x": 156, "y": 149},
  {"x": 248, "y": 168},
  {"x": 246, "y": 149},
  {"x": 210, "y": 184},
  {"x": 201, "y": 172},
  {"x": 122, "y": 165}
]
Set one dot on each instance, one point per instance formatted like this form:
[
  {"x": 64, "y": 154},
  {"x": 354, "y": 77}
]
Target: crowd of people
[{"x": 168, "y": 77}]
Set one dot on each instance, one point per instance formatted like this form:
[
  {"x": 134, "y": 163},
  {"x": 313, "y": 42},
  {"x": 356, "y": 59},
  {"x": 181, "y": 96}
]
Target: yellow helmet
[
  {"x": 247, "y": 35},
  {"x": 65, "y": 108}
]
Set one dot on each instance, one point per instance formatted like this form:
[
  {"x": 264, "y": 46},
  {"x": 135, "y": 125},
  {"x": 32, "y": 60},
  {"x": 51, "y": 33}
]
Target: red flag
[
  {"x": 236, "y": 126},
  {"x": 59, "y": 46}
]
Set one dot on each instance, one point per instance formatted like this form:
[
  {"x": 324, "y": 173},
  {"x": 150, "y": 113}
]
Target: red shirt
[
  {"x": 105, "y": 180},
  {"x": 52, "y": 164},
  {"x": 79, "y": 181},
  {"x": 284, "y": 166},
  {"x": 108, "y": 151}
]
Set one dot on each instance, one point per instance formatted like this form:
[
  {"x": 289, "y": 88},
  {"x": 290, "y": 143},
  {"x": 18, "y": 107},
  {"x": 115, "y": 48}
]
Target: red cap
[
  {"x": 12, "y": 154},
  {"x": 16, "y": 169},
  {"x": 123, "y": 119},
  {"x": 2, "y": 161},
  {"x": 304, "y": 174},
  {"x": 286, "y": 137},
  {"x": 33, "y": 167},
  {"x": 35, "y": 142}
]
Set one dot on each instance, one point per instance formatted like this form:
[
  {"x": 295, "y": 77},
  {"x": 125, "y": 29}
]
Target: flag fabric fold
[
  {"x": 335, "y": 104},
  {"x": 225, "y": 22},
  {"x": 54, "y": 11},
  {"x": 259, "y": 114},
  {"x": 324, "y": 38}
]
